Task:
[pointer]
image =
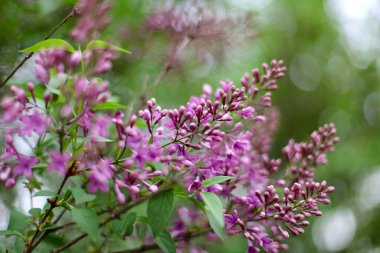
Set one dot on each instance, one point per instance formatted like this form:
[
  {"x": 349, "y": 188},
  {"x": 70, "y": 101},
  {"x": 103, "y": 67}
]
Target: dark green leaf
[
  {"x": 87, "y": 220},
  {"x": 108, "y": 105},
  {"x": 128, "y": 221},
  {"x": 81, "y": 196},
  {"x": 68, "y": 194},
  {"x": 100, "y": 44},
  {"x": 165, "y": 241},
  {"x": 49, "y": 44},
  {"x": 214, "y": 212},
  {"x": 215, "y": 180},
  {"x": 160, "y": 208},
  {"x": 45, "y": 193}
]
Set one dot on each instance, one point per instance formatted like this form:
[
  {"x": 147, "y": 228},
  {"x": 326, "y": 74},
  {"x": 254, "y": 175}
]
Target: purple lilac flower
[
  {"x": 59, "y": 162},
  {"x": 35, "y": 122},
  {"x": 24, "y": 165}
]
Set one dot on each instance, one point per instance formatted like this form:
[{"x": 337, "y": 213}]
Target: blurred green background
[{"x": 331, "y": 49}]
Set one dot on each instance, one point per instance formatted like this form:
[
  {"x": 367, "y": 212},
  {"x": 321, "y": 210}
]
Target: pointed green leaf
[
  {"x": 108, "y": 106},
  {"x": 214, "y": 212},
  {"x": 87, "y": 220},
  {"x": 36, "y": 212},
  {"x": 81, "y": 196},
  {"x": 215, "y": 180},
  {"x": 127, "y": 227},
  {"x": 103, "y": 139},
  {"x": 165, "y": 241},
  {"x": 100, "y": 44},
  {"x": 11, "y": 233},
  {"x": 160, "y": 208},
  {"x": 49, "y": 44},
  {"x": 47, "y": 193}
]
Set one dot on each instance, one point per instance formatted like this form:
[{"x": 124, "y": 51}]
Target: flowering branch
[{"x": 72, "y": 13}]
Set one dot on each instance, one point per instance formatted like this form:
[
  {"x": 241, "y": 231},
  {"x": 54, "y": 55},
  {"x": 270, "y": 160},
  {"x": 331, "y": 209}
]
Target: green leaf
[
  {"x": 49, "y": 226},
  {"x": 160, "y": 208},
  {"x": 100, "y": 44},
  {"x": 45, "y": 193},
  {"x": 36, "y": 212},
  {"x": 215, "y": 180},
  {"x": 68, "y": 194},
  {"x": 108, "y": 106},
  {"x": 165, "y": 241},
  {"x": 11, "y": 233},
  {"x": 151, "y": 139},
  {"x": 53, "y": 90},
  {"x": 87, "y": 220},
  {"x": 40, "y": 166},
  {"x": 214, "y": 212},
  {"x": 103, "y": 139},
  {"x": 128, "y": 221},
  {"x": 81, "y": 196},
  {"x": 49, "y": 44}
]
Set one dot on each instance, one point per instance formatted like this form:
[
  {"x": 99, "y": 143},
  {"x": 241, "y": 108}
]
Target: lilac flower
[
  {"x": 100, "y": 174},
  {"x": 24, "y": 165},
  {"x": 59, "y": 162},
  {"x": 35, "y": 122},
  {"x": 90, "y": 11}
]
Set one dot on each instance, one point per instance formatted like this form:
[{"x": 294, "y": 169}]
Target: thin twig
[
  {"x": 30, "y": 246},
  {"x": 110, "y": 218},
  {"x": 72, "y": 13},
  {"x": 186, "y": 237}
]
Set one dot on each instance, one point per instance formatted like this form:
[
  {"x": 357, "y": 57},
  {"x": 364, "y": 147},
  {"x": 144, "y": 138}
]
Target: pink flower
[
  {"x": 35, "y": 122},
  {"x": 59, "y": 162},
  {"x": 24, "y": 166}
]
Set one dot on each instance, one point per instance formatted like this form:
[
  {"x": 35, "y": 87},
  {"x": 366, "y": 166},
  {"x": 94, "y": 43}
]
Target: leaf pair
[{"x": 62, "y": 44}]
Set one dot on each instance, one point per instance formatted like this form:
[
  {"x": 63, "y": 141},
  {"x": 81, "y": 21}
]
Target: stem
[
  {"x": 72, "y": 13},
  {"x": 181, "y": 138},
  {"x": 113, "y": 216},
  {"x": 31, "y": 246},
  {"x": 186, "y": 237}
]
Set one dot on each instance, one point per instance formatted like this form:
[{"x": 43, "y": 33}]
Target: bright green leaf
[
  {"x": 100, "y": 44},
  {"x": 103, "y": 139},
  {"x": 215, "y": 180},
  {"x": 40, "y": 166},
  {"x": 165, "y": 241},
  {"x": 87, "y": 220},
  {"x": 49, "y": 44},
  {"x": 108, "y": 106},
  {"x": 47, "y": 193},
  {"x": 53, "y": 90},
  {"x": 214, "y": 212},
  {"x": 160, "y": 208},
  {"x": 81, "y": 196},
  {"x": 128, "y": 221}
]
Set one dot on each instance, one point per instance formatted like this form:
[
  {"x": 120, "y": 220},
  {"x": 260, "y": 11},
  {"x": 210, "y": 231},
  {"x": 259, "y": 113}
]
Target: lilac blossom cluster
[
  {"x": 223, "y": 133},
  {"x": 89, "y": 10},
  {"x": 192, "y": 22},
  {"x": 74, "y": 128}
]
